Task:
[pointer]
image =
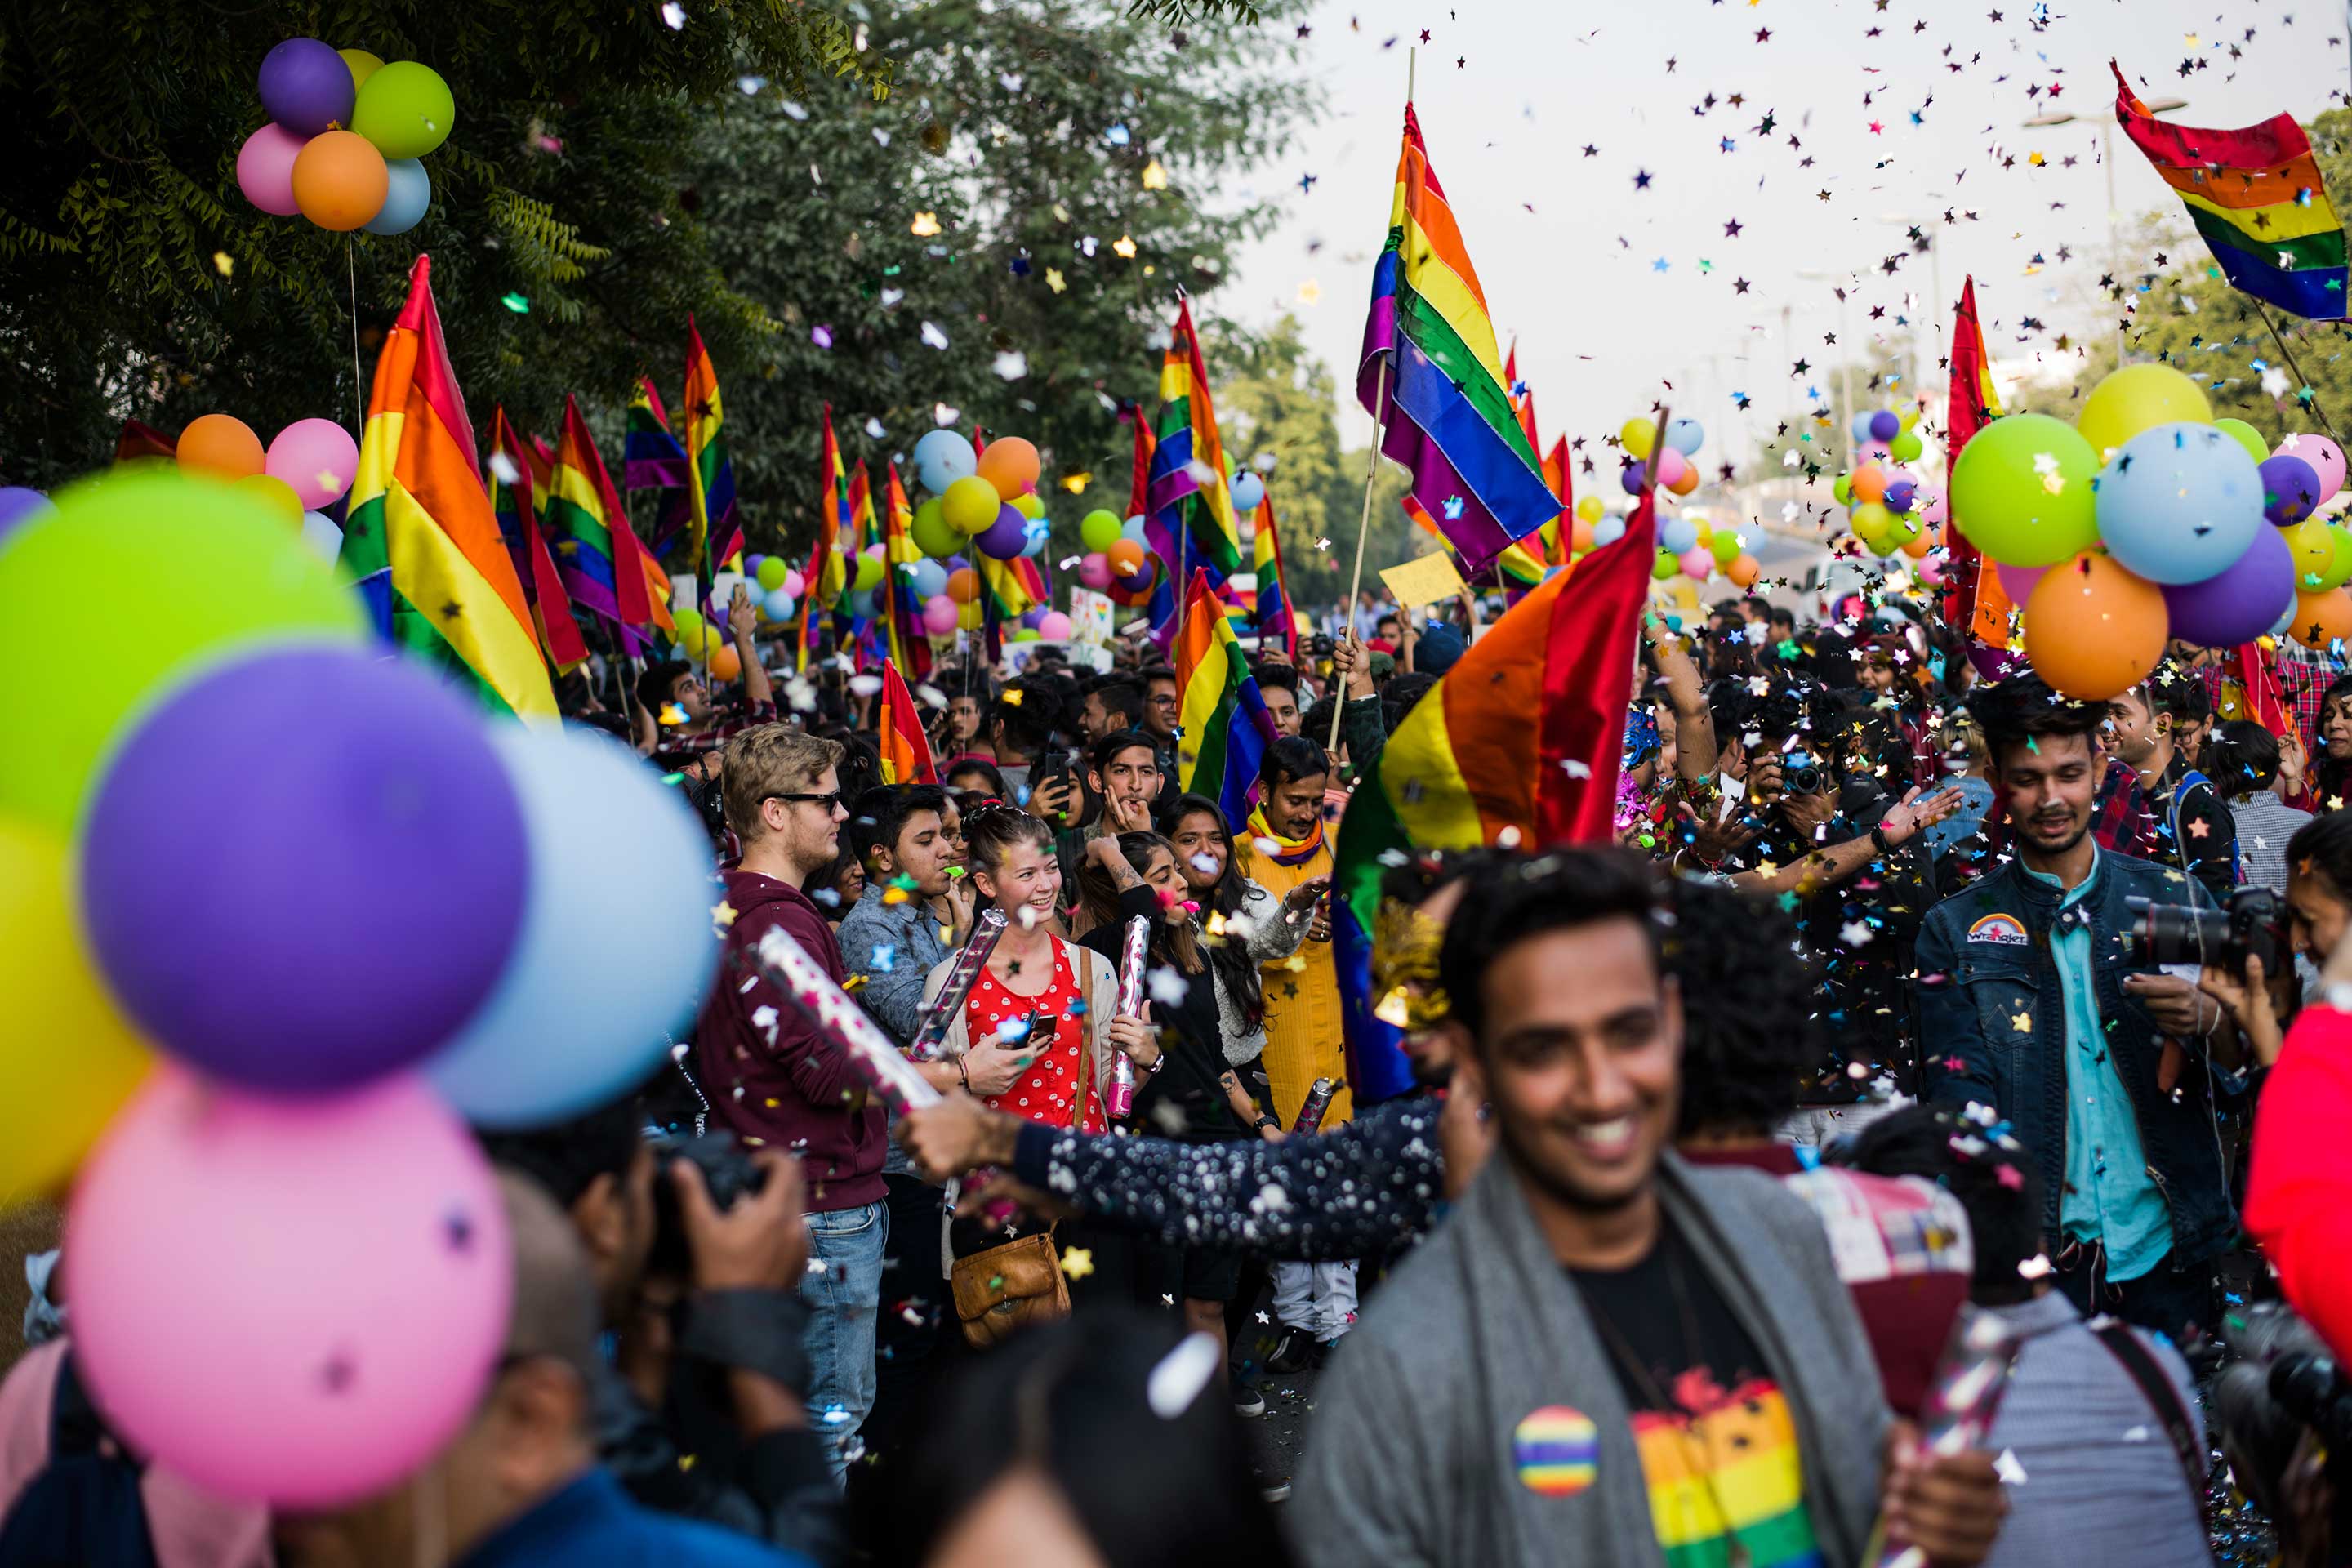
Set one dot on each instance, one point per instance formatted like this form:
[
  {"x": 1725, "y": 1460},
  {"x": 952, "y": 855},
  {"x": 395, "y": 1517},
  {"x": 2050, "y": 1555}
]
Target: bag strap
[
  {"x": 1085, "y": 1096},
  {"x": 2163, "y": 1399}
]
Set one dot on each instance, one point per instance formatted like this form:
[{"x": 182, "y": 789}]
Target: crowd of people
[{"x": 1911, "y": 995}]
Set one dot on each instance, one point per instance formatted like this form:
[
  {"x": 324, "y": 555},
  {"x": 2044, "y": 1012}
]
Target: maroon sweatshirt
[{"x": 771, "y": 1077}]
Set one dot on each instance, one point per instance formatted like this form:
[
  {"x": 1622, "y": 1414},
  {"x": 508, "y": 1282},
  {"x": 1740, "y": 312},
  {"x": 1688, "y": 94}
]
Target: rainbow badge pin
[
  {"x": 1556, "y": 1449},
  {"x": 2007, "y": 930}
]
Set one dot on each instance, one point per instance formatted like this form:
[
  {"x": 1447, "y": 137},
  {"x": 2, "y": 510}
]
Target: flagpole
[
  {"x": 2288, "y": 354},
  {"x": 1371, "y": 472}
]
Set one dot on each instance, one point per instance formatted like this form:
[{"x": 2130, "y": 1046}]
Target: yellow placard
[{"x": 1422, "y": 582}]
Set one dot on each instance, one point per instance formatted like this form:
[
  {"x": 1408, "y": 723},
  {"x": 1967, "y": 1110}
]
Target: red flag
[
  {"x": 138, "y": 440},
  {"x": 899, "y": 726},
  {"x": 2256, "y": 673},
  {"x": 1139, "y": 491},
  {"x": 1976, "y": 603}
]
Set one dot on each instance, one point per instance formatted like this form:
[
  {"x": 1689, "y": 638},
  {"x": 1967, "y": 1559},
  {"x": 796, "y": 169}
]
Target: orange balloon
[
  {"x": 963, "y": 584},
  {"x": 1125, "y": 558},
  {"x": 1869, "y": 482},
  {"x": 2094, "y": 629},
  {"x": 1011, "y": 465},
  {"x": 339, "y": 179},
  {"x": 2322, "y": 618},
  {"x": 221, "y": 444},
  {"x": 1580, "y": 535},
  {"x": 1918, "y": 546},
  {"x": 275, "y": 494},
  {"x": 725, "y": 663},
  {"x": 1743, "y": 570},
  {"x": 1684, "y": 482}
]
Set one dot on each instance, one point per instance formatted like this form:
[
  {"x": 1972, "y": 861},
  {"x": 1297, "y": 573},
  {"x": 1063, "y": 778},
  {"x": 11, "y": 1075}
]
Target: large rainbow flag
[
  {"x": 1524, "y": 734},
  {"x": 1442, "y": 405},
  {"x": 712, "y": 530},
  {"x": 517, "y": 514},
  {"x": 2257, "y": 198},
  {"x": 1273, "y": 618},
  {"x": 420, "y": 542},
  {"x": 1190, "y": 523},
  {"x": 601, "y": 564},
  {"x": 1223, "y": 730}
]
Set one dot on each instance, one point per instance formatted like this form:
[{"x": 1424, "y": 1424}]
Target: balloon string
[{"x": 359, "y": 391}]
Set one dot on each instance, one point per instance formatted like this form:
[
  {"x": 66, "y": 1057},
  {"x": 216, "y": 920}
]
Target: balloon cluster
[
  {"x": 2146, "y": 519},
  {"x": 309, "y": 467},
  {"x": 346, "y": 138},
  {"x": 1119, "y": 559},
  {"x": 986, "y": 501},
  {"x": 1689, "y": 545},
  {"x": 1887, "y": 509},
  {"x": 278, "y": 915}
]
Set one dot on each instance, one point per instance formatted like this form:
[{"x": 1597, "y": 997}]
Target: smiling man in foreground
[{"x": 1606, "y": 1355}]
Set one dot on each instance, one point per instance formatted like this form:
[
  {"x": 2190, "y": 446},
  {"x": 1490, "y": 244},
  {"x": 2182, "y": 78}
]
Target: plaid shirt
[
  {"x": 675, "y": 749},
  {"x": 2304, "y": 676}
]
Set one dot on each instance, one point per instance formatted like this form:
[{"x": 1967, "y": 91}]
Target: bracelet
[
  {"x": 1878, "y": 838},
  {"x": 963, "y": 1073}
]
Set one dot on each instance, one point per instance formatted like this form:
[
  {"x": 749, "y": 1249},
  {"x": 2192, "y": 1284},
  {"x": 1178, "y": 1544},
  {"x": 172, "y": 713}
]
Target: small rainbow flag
[
  {"x": 1442, "y": 406},
  {"x": 1223, "y": 730},
  {"x": 827, "y": 577},
  {"x": 898, "y": 726},
  {"x": 542, "y": 586},
  {"x": 2257, "y": 198},
  {"x": 910, "y": 646},
  {"x": 420, "y": 542},
  {"x": 714, "y": 535},
  {"x": 1525, "y": 733},
  {"x": 652, "y": 460},
  {"x": 1272, "y": 620},
  {"x": 1189, "y": 523},
  {"x": 597, "y": 554}
]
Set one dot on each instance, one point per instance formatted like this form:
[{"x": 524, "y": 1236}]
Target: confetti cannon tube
[
  {"x": 931, "y": 1034},
  {"x": 786, "y": 964},
  {"x": 1120, "y": 1100},
  {"x": 1959, "y": 1408},
  {"x": 1317, "y": 1103}
]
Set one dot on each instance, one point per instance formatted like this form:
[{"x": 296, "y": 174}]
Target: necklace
[{"x": 1736, "y": 1552}]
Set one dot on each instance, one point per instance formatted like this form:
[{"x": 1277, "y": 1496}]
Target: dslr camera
[
  {"x": 727, "y": 1172},
  {"x": 2252, "y": 924}
]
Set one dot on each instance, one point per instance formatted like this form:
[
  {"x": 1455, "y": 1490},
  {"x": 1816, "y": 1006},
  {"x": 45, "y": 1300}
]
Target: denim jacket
[{"x": 1985, "y": 960}]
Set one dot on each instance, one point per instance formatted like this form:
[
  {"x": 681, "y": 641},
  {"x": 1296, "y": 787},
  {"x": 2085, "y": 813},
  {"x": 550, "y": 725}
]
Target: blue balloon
[
  {"x": 778, "y": 603},
  {"x": 942, "y": 457},
  {"x": 2180, "y": 503},
  {"x": 616, "y": 947},
  {"x": 931, "y": 579},
  {"x": 405, "y": 198},
  {"x": 1862, "y": 426},
  {"x": 1133, "y": 529},
  {"x": 1041, "y": 535},
  {"x": 1677, "y": 534},
  {"x": 1248, "y": 491},
  {"x": 1608, "y": 531},
  {"x": 862, "y": 604},
  {"x": 1684, "y": 436}
]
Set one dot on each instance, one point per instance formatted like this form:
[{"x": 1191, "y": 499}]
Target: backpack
[
  {"x": 2188, "y": 780},
  {"x": 85, "y": 1506}
]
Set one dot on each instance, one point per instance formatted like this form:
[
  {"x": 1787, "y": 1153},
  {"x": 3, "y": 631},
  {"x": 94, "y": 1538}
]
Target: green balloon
[
  {"x": 1665, "y": 566},
  {"x": 932, "y": 533},
  {"x": 1099, "y": 530},
  {"x": 1907, "y": 446},
  {"x": 405, "y": 109},
  {"x": 2339, "y": 567},
  {"x": 195, "y": 573},
  {"x": 2021, "y": 491},
  {"x": 1725, "y": 546},
  {"x": 771, "y": 573},
  {"x": 2245, "y": 436},
  {"x": 869, "y": 575},
  {"x": 1842, "y": 489}
]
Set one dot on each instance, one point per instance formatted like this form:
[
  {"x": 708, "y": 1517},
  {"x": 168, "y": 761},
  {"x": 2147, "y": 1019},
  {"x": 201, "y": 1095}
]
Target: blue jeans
[{"x": 843, "y": 1298}]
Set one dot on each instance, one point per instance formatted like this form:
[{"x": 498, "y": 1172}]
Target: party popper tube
[
  {"x": 788, "y": 967},
  {"x": 931, "y": 1034}
]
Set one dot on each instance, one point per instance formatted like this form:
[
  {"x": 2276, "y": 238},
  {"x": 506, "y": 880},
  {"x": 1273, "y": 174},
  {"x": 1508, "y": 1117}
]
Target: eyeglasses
[{"x": 827, "y": 801}]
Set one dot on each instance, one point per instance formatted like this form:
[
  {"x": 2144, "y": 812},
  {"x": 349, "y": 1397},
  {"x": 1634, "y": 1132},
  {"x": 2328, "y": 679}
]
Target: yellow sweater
[{"x": 1303, "y": 1039}]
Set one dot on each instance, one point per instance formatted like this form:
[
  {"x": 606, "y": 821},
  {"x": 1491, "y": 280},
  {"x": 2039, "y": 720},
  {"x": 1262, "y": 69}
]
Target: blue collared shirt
[{"x": 2109, "y": 1195}]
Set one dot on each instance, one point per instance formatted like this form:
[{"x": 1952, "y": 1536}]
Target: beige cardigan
[{"x": 1097, "y": 983}]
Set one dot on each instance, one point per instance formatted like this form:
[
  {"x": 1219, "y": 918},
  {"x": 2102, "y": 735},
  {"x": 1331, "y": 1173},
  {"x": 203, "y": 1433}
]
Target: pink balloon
[
  {"x": 1094, "y": 569},
  {"x": 2018, "y": 582},
  {"x": 1671, "y": 464},
  {"x": 876, "y": 551},
  {"x": 940, "y": 615},
  {"x": 1697, "y": 562},
  {"x": 318, "y": 457},
  {"x": 1931, "y": 569},
  {"x": 794, "y": 583},
  {"x": 1932, "y": 509},
  {"x": 265, "y": 169},
  {"x": 2326, "y": 457},
  {"x": 293, "y": 1300},
  {"x": 1054, "y": 628}
]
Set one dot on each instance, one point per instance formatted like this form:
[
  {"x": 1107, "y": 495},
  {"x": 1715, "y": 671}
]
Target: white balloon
[{"x": 319, "y": 532}]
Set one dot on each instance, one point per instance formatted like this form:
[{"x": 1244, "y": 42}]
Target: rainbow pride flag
[
  {"x": 652, "y": 460},
  {"x": 1223, "y": 731},
  {"x": 1160, "y": 608},
  {"x": 420, "y": 542},
  {"x": 2257, "y": 198},
  {"x": 1442, "y": 406},
  {"x": 899, "y": 728},
  {"x": 1190, "y": 523},
  {"x": 714, "y": 535},
  {"x": 1272, "y": 618},
  {"x": 827, "y": 577},
  {"x": 1523, "y": 735},
  {"x": 902, "y": 610},
  {"x": 518, "y": 515},
  {"x": 598, "y": 556},
  {"x": 1730, "y": 1474},
  {"x": 1517, "y": 568}
]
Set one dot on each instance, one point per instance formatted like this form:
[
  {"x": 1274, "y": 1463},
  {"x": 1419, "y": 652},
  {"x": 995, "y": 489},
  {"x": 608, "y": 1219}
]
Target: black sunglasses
[{"x": 827, "y": 801}]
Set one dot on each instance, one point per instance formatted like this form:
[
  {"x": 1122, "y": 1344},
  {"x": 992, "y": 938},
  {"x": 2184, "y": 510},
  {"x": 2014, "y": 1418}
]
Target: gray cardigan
[{"x": 1411, "y": 1462}]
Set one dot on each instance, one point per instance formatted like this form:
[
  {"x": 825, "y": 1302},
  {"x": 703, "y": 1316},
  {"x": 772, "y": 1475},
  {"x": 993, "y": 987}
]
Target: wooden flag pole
[
  {"x": 1371, "y": 472},
  {"x": 2288, "y": 354}
]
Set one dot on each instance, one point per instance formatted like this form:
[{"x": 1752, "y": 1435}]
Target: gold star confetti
[
  {"x": 1078, "y": 1262},
  {"x": 1311, "y": 292},
  {"x": 2021, "y": 1022},
  {"x": 722, "y": 914},
  {"x": 223, "y": 263},
  {"x": 1077, "y": 483},
  {"x": 1054, "y": 280},
  {"x": 925, "y": 225},
  {"x": 1155, "y": 178},
  {"x": 1125, "y": 247}
]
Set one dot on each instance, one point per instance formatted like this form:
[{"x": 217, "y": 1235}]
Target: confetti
[
  {"x": 673, "y": 16},
  {"x": 223, "y": 263},
  {"x": 517, "y": 304}
]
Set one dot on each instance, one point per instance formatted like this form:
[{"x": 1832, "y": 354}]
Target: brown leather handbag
[{"x": 1019, "y": 1282}]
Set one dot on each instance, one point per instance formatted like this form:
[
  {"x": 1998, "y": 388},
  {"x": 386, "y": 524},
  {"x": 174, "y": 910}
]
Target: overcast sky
[{"x": 1613, "y": 290}]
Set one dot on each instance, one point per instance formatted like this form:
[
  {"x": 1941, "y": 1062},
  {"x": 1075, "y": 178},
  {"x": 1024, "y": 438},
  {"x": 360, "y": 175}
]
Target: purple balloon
[
  {"x": 1005, "y": 538},
  {"x": 305, "y": 869},
  {"x": 306, "y": 87},
  {"x": 2290, "y": 488},
  {"x": 19, "y": 506},
  {"x": 1900, "y": 494},
  {"x": 1886, "y": 424},
  {"x": 1034, "y": 617},
  {"x": 1631, "y": 477},
  {"x": 2239, "y": 603}
]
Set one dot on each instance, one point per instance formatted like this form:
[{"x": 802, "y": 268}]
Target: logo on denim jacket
[{"x": 2006, "y": 929}]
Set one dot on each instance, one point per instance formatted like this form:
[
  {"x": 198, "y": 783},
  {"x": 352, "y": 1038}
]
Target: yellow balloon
[
  {"x": 2135, "y": 398},
  {"x": 1639, "y": 436},
  {"x": 362, "y": 65},
  {"x": 2314, "y": 551},
  {"x": 67, "y": 1056},
  {"x": 1869, "y": 521},
  {"x": 968, "y": 616},
  {"x": 1588, "y": 508},
  {"x": 275, "y": 494}
]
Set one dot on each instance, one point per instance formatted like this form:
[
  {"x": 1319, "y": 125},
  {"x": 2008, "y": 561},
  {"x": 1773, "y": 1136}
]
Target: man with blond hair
[{"x": 776, "y": 1083}]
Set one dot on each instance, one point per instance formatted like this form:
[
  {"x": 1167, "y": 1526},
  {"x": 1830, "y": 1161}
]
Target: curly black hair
[
  {"x": 1748, "y": 1029},
  {"x": 2023, "y": 708}
]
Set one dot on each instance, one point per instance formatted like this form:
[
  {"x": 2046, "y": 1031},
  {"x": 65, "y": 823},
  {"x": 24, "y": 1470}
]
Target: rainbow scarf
[{"x": 1286, "y": 851}]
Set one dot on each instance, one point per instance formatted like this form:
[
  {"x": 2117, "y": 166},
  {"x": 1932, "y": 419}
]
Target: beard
[{"x": 2046, "y": 846}]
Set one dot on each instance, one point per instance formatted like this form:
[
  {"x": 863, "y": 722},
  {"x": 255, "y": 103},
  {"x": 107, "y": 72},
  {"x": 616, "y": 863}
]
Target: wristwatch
[
  {"x": 1268, "y": 1121},
  {"x": 1878, "y": 838}
]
